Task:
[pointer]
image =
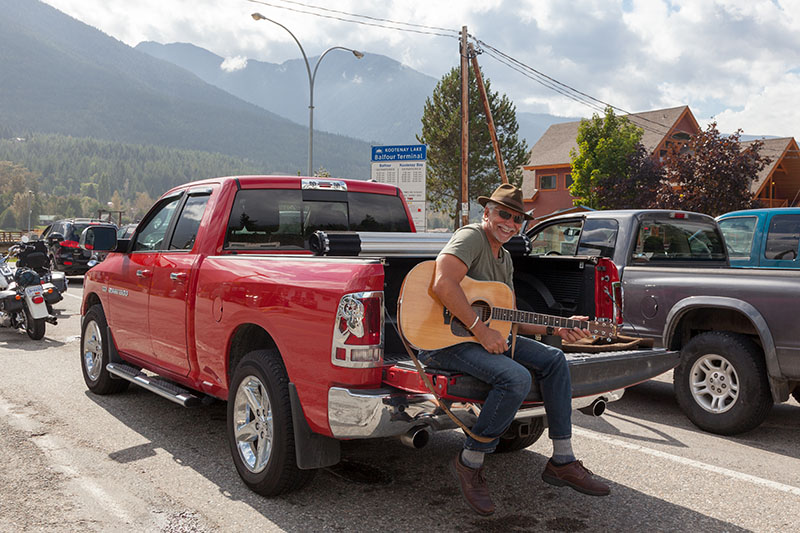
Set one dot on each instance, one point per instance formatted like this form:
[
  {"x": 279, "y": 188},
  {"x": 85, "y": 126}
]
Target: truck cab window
[
  {"x": 188, "y": 223},
  {"x": 557, "y": 239},
  {"x": 783, "y": 238},
  {"x": 677, "y": 240},
  {"x": 739, "y": 233},
  {"x": 598, "y": 238},
  {"x": 152, "y": 235},
  {"x": 284, "y": 218}
]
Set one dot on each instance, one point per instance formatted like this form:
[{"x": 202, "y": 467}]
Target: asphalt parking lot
[{"x": 136, "y": 462}]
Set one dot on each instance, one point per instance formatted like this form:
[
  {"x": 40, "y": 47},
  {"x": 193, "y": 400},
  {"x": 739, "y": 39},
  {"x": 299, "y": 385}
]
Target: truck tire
[
  {"x": 512, "y": 441},
  {"x": 95, "y": 354},
  {"x": 721, "y": 383},
  {"x": 259, "y": 426},
  {"x": 34, "y": 327}
]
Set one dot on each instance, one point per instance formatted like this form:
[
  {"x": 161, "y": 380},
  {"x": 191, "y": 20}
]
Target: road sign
[{"x": 404, "y": 166}]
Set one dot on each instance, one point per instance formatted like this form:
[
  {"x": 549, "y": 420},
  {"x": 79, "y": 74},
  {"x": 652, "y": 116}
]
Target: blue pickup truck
[{"x": 762, "y": 238}]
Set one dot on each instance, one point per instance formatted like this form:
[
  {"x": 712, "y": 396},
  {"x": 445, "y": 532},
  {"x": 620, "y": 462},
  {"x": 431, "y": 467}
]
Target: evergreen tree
[{"x": 441, "y": 131}]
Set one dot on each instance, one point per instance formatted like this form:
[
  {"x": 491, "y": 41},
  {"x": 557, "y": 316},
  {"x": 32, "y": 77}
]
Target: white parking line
[
  {"x": 74, "y": 296},
  {"x": 689, "y": 462}
]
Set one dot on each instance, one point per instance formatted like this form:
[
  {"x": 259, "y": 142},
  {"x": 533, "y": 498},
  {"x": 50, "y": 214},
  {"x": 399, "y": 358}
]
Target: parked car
[
  {"x": 63, "y": 250},
  {"x": 762, "y": 238},
  {"x": 736, "y": 328}
]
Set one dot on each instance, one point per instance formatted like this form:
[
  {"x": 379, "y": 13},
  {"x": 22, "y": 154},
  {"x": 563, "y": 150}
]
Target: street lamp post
[
  {"x": 29, "y": 211},
  {"x": 311, "y": 77}
]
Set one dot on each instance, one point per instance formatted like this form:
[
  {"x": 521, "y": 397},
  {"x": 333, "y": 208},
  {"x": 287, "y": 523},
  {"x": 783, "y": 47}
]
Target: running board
[{"x": 162, "y": 387}]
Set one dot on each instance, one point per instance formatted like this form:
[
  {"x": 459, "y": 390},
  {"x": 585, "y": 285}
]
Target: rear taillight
[
  {"x": 69, "y": 244},
  {"x": 358, "y": 333},
  {"x": 608, "y": 291},
  {"x": 37, "y": 299},
  {"x": 617, "y": 286}
]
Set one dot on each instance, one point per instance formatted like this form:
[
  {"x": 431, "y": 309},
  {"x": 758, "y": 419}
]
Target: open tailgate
[{"x": 591, "y": 373}]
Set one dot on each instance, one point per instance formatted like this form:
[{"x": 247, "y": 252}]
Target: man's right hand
[{"x": 491, "y": 339}]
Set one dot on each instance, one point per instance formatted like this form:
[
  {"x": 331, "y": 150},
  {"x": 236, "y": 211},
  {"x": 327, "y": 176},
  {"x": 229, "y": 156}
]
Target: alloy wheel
[{"x": 253, "y": 424}]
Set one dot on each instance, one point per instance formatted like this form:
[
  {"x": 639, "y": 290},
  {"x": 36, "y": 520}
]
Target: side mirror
[{"x": 99, "y": 239}]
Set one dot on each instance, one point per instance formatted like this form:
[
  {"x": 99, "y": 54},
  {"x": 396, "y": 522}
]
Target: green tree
[
  {"x": 605, "y": 148},
  {"x": 441, "y": 131},
  {"x": 711, "y": 174}
]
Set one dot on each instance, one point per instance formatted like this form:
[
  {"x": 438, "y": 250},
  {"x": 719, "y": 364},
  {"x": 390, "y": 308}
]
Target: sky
[{"x": 734, "y": 61}]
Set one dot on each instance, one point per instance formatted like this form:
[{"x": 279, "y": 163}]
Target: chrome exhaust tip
[
  {"x": 416, "y": 437},
  {"x": 597, "y": 408}
]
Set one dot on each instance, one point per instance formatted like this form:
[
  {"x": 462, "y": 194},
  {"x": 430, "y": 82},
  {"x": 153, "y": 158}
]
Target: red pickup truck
[{"x": 279, "y": 294}]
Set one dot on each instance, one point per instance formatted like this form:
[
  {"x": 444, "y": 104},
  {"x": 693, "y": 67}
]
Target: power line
[
  {"x": 543, "y": 82},
  {"x": 507, "y": 60},
  {"x": 354, "y": 21},
  {"x": 368, "y": 16},
  {"x": 541, "y": 75}
]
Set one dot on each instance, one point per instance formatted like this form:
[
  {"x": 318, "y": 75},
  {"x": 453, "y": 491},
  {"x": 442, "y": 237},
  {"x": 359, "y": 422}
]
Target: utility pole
[
  {"x": 489, "y": 120},
  {"x": 464, "y": 208}
]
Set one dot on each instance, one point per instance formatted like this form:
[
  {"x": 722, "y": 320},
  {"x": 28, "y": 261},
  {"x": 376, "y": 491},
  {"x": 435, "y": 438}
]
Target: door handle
[
  {"x": 143, "y": 273},
  {"x": 177, "y": 276}
]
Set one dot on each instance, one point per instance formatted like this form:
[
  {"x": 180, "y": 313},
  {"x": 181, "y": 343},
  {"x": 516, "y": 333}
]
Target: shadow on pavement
[{"x": 383, "y": 485}]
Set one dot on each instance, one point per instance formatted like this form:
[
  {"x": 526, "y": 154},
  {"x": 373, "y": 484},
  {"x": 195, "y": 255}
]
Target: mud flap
[{"x": 311, "y": 449}]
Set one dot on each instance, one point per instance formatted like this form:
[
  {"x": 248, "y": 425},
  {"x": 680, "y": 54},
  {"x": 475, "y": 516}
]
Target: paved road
[{"x": 72, "y": 461}]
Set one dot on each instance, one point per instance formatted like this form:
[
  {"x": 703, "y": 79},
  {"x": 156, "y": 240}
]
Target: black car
[{"x": 63, "y": 250}]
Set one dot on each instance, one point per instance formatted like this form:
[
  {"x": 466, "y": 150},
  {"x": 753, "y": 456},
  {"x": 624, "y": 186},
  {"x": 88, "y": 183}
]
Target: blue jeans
[{"x": 511, "y": 381}]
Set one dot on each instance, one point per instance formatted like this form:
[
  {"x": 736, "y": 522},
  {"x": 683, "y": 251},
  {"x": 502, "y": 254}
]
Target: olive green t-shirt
[{"x": 470, "y": 244}]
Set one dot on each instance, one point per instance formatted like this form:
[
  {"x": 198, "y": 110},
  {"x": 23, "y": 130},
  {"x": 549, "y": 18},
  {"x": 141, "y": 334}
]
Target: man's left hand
[{"x": 571, "y": 335}]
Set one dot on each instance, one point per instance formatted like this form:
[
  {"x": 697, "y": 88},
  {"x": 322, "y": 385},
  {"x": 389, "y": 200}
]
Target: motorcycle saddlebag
[
  {"x": 9, "y": 302},
  {"x": 59, "y": 279}
]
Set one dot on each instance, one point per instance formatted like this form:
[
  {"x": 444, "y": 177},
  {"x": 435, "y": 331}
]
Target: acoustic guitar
[{"x": 428, "y": 325}]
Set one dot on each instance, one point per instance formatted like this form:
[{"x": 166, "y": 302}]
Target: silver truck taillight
[{"x": 358, "y": 332}]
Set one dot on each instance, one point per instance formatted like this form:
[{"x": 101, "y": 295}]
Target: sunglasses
[{"x": 505, "y": 215}]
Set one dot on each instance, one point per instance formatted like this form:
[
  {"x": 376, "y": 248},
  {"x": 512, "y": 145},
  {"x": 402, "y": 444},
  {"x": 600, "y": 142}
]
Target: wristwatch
[{"x": 550, "y": 330}]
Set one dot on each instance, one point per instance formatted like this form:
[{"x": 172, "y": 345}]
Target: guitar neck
[{"x": 529, "y": 317}]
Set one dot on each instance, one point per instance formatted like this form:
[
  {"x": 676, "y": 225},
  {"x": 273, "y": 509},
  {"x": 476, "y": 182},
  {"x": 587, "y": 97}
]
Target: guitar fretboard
[{"x": 528, "y": 317}]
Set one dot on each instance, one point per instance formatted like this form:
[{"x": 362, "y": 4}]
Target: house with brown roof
[
  {"x": 778, "y": 184},
  {"x": 547, "y": 176}
]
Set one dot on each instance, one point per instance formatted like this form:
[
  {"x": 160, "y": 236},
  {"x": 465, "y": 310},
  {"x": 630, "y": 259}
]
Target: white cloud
[
  {"x": 232, "y": 64},
  {"x": 774, "y": 111}
]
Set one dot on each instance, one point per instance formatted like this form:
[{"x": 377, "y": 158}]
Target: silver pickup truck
[{"x": 737, "y": 329}]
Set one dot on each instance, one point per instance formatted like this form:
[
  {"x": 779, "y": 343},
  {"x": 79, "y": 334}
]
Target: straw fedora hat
[{"x": 508, "y": 196}]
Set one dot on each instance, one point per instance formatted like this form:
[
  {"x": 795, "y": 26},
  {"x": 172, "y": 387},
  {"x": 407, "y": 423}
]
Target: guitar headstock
[{"x": 603, "y": 328}]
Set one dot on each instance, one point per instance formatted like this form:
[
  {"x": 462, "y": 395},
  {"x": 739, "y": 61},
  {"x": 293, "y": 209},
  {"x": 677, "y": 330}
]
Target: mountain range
[
  {"x": 62, "y": 76},
  {"x": 375, "y": 98}
]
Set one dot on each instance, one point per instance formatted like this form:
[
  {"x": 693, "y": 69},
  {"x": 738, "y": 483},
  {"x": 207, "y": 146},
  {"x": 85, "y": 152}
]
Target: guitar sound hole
[{"x": 483, "y": 310}]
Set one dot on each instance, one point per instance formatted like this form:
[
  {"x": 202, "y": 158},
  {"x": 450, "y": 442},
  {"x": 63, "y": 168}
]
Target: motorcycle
[{"x": 27, "y": 292}]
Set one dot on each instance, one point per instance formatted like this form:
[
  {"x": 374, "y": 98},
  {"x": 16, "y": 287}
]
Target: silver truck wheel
[
  {"x": 260, "y": 429},
  {"x": 721, "y": 383},
  {"x": 95, "y": 354},
  {"x": 714, "y": 383},
  {"x": 252, "y": 424},
  {"x": 92, "y": 350}
]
